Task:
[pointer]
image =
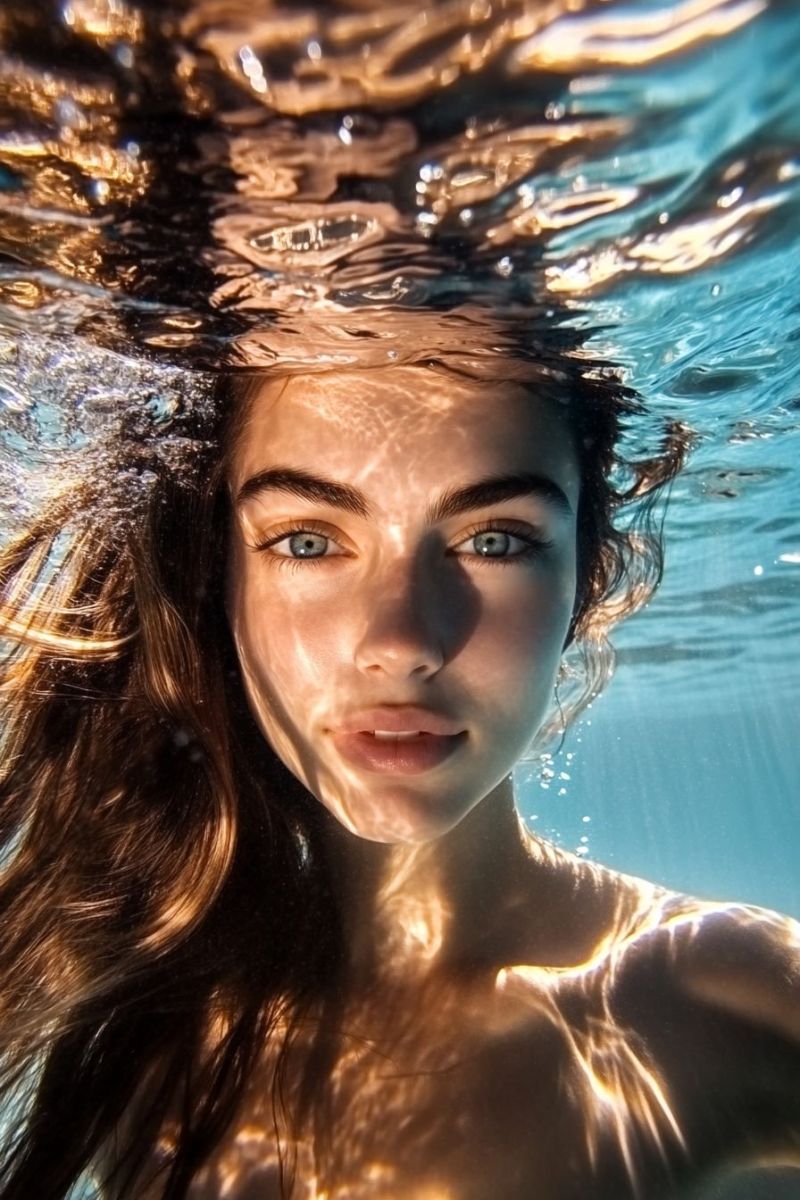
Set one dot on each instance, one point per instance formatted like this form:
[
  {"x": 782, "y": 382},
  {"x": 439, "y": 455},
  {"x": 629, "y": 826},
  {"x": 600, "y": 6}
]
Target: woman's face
[{"x": 386, "y": 596}]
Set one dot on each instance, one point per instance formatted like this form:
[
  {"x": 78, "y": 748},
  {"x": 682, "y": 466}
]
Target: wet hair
[{"x": 165, "y": 897}]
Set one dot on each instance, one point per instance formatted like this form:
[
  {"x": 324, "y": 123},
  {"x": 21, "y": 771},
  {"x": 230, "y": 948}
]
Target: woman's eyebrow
[{"x": 491, "y": 490}]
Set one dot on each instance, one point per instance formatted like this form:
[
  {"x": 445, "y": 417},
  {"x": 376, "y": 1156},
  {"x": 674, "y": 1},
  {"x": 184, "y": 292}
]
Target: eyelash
[{"x": 534, "y": 545}]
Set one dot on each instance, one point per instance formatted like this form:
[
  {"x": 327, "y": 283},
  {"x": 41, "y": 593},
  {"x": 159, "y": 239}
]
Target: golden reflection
[
  {"x": 105, "y": 21},
  {"x": 680, "y": 246},
  {"x": 77, "y": 105},
  {"x": 392, "y": 54},
  {"x": 493, "y": 1056},
  {"x": 282, "y": 95},
  {"x": 632, "y": 38}
]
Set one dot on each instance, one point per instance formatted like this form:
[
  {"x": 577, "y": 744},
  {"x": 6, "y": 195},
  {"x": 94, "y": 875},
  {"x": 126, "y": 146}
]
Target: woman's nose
[{"x": 403, "y": 626}]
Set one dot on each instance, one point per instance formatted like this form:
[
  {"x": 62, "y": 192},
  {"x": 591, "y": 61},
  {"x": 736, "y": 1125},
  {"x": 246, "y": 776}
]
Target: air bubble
[
  {"x": 161, "y": 409},
  {"x": 123, "y": 55}
]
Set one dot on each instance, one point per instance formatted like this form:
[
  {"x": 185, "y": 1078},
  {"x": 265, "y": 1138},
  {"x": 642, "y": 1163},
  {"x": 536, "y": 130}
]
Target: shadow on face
[{"x": 401, "y": 538}]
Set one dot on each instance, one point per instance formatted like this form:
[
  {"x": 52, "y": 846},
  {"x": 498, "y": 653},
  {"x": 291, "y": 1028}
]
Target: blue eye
[
  {"x": 301, "y": 540},
  {"x": 493, "y": 544},
  {"x": 496, "y": 542},
  {"x": 302, "y": 544}
]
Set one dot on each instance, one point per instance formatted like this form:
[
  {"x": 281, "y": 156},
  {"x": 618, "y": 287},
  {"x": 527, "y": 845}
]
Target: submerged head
[
  {"x": 230, "y": 634},
  {"x": 441, "y": 574}
]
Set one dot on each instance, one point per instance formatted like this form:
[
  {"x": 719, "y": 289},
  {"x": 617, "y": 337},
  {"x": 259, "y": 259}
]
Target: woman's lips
[{"x": 404, "y": 756}]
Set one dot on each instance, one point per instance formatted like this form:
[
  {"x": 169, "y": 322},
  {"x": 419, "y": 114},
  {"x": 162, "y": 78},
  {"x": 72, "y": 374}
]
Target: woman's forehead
[
  {"x": 403, "y": 402},
  {"x": 378, "y": 427}
]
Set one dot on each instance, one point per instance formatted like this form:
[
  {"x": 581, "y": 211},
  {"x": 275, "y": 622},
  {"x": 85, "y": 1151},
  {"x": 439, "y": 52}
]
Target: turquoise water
[{"x": 688, "y": 766}]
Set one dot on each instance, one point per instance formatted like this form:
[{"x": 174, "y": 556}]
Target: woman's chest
[{"x": 517, "y": 1105}]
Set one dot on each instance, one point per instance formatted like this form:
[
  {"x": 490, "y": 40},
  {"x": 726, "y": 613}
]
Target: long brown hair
[{"x": 165, "y": 901}]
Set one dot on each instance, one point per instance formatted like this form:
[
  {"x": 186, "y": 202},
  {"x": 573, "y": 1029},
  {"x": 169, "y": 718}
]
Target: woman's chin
[{"x": 401, "y": 820}]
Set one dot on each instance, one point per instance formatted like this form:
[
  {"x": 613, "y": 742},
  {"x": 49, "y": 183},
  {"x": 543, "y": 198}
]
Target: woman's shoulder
[{"x": 742, "y": 958}]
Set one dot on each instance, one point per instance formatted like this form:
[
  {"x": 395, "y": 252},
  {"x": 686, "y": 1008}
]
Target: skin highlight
[
  {"x": 265, "y": 972},
  {"x": 423, "y": 622},
  {"x": 395, "y": 612}
]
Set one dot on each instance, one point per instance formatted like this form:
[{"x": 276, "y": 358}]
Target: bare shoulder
[
  {"x": 745, "y": 961},
  {"x": 740, "y": 958},
  {"x": 679, "y": 1014}
]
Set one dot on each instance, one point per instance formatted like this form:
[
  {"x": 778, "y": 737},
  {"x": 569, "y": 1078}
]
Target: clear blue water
[{"x": 688, "y": 766}]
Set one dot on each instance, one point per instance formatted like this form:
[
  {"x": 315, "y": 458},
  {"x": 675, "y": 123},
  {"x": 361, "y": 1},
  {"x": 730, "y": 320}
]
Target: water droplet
[
  {"x": 161, "y": 409},
  {"x": 427, "y": 222},
  {"x": 68, "y": 114},
  {"x": 430, "y": 172},
  {"x": 758, "y": 570},
  {"x": 123, "y": 53}
]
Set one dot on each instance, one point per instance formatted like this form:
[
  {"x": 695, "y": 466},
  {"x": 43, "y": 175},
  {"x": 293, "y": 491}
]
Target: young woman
[{"x": 271, "y": 925}]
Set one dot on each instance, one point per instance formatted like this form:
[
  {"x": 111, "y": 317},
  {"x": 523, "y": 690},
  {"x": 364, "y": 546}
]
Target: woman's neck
[{"x": 457, "y": 905}]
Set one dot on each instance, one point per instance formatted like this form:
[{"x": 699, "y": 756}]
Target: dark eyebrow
[{"x": 492, "y": 490}]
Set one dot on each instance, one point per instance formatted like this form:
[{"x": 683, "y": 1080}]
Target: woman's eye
[
  {"x": 299, "y": 545},
  {"x": 308, "y": 546},
  {"x": 499, "y": 545}
]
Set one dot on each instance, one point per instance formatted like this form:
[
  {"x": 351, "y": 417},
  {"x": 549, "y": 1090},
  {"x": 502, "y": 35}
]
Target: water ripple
[{"x": 203, "y": 185}]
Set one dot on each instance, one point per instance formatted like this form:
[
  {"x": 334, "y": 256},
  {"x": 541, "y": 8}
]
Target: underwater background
[{"x": 215, "y": 185}]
